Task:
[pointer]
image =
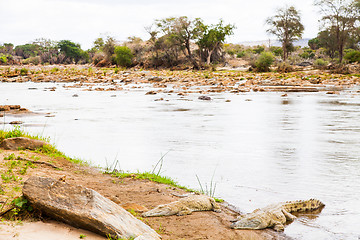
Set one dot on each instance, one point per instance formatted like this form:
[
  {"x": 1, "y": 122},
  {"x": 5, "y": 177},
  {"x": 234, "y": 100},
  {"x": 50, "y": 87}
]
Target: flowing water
[{"x": 260, "y": 148}]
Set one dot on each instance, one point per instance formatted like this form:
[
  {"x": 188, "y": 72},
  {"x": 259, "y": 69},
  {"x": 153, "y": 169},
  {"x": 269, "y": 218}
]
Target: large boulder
[
  {"x": 84, "y": 208},
  {"x": 21, "y": 143}
]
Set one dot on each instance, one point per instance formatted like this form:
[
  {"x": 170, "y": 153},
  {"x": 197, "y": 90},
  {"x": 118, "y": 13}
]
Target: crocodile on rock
[
  {"x": 275, "y": 215},
  {"x": 184, "y": 206}
]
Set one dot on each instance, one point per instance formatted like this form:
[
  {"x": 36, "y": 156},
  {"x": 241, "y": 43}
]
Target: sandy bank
[{"x": 133, "y": 192}]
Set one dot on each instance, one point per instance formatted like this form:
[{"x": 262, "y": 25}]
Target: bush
[
  {"x": 284, "y": 67},
  {"x": 320, "y": 63},
  {"x": 259, "y": 49},
  {"x": 277, "y": 51},
  {"x": 307, "y": 54},
  {"x": 3, "y": 59},
  {"x": 123, "y": 56},
  {"x": 32, "y": 60},
  {"x": 23, "y": 71},
  {"x": 98, "y": 57},
  {"x": 264, "y": 61},
  {"x": 240, "y": 54},
  {"x": 352, "y": 56}
]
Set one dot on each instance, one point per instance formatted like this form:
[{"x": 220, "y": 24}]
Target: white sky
[{"x": 82, "y": 21}]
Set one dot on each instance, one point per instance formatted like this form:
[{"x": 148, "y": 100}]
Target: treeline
[
  {"x": 172, "y": 41},
  {"x": 183, "y": 41}
]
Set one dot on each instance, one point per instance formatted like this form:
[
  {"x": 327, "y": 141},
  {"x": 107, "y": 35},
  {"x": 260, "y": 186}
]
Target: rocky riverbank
[
  {"x": 182, "y": 82},
  {"x": 131, "y": 192}
]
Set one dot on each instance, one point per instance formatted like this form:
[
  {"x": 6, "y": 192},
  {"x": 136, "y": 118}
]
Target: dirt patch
[
  {"x": 43, "y": 231},
  {"x": 127, "y": 191}
]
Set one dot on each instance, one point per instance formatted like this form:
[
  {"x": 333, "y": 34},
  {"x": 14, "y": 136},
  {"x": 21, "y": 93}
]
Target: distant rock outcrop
[{"x": 84, "y": 208}]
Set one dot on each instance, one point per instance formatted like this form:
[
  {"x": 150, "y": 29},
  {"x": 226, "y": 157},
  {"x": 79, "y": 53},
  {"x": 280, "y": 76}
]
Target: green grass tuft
[
  {"x": 48, "y": 150},
  {"x": 150, "y": 176},
  {"x": 18, "y": 132}
]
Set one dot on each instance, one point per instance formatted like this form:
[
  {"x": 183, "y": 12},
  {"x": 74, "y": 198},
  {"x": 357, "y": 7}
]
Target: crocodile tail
[{"x": 303, "y": 205}]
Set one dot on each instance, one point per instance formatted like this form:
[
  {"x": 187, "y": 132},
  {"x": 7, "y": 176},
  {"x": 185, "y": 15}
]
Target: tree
[
  {"x": 71, "y": 50},
  {"x": 287, "y": 27},
  {"x": 327, "y": 40},
  {"x": 48, "y": 50},
  {"x": 181, "y": 31},
  {"x": 6, "y": 48},
  {"x": 123, "y": 56},
  {"x": 314, "y": 43},
  {"x": 27, "y": 50},
  {"x": 340, "y": 17},
  {"x": 212, "y": 37},
  {"x": 99, "y": 44}
]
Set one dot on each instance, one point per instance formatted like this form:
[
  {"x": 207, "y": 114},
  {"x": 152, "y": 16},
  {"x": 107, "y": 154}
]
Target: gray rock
[
  {"x": 84, "y": 208},
  {"x": 304, "y": 64},
  {"x": 155, "y": 79},
  {"x": 205, "y": 98},
  {"x": 21, "y": 143}
]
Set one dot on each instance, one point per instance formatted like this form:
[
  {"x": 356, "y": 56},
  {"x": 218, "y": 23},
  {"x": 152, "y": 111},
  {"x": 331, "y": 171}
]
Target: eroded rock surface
[
  {"x": 13, "y": 109},
  {"x": 21, "y": 143},
  {"x": 84, "y": 208}
]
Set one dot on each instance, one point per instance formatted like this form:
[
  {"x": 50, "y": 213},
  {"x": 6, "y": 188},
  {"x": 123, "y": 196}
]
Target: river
[{"x": 259, "y": 148}]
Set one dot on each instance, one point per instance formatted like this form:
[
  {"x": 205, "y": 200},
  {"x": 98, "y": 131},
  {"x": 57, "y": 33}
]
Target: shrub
[
  {"x": 123, "y": 56},
  {"x": 277, "y": 51},
  {"x": 352, "y": 56},
  {"x": 23, "y": 71},
  {"x": 307, "y": 54},
  {"x": 320, "y": 63},
  {"x": 55, "y": 69},
  {"x": 240, "y": 54},
  {"x": 3, "y": 59},
  {"x": 284, "y": 67},
  {"x": 98, "y": 57},
  {"x": 264, "y": 61},
  {"x": 259, "y": 49},
  {"x": 32, "y": 60}
]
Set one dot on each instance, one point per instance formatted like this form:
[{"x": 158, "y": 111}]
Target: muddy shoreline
[{"x": 131, "y": 193}]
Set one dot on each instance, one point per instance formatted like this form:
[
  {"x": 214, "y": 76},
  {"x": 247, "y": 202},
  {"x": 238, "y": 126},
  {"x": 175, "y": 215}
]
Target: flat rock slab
[
  {"x": 21, "y": 143},
  {"x": 84, "y": 208}
]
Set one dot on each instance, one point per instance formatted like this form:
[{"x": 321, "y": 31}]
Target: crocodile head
[{"x": 248, "y": 223}]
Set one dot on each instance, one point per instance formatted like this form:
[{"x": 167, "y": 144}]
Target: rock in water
[
  {"x": 84, "y": 208},
  {"x": 205, "y": 98},
  {"x": 21, "y": 143}
]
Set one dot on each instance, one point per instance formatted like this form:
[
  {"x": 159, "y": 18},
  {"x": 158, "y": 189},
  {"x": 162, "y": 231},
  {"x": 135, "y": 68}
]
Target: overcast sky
[{"x": 82, "y": 21}]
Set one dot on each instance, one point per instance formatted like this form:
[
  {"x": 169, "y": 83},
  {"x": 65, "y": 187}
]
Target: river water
[{"x": 259, "y": 148}]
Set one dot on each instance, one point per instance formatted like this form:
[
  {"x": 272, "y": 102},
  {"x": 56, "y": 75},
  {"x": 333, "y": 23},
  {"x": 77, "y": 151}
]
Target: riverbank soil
[{"x": 133, "y": 194}]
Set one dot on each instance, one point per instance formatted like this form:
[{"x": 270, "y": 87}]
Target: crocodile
[
  {"x": 184, "y": 206},
  {"x": 275, "y": 215}
]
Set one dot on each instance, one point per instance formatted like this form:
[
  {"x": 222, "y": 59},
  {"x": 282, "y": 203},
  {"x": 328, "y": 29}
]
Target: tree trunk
[
  {"x": 341, "y": 52},
  {"x": 192, "y": 60},
  {"x": 284, "y": 52},
  {"x": 208, "y": 59}
]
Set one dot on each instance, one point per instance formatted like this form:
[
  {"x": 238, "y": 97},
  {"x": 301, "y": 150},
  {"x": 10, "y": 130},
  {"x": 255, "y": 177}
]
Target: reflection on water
[{"x": 267, "y": 150}]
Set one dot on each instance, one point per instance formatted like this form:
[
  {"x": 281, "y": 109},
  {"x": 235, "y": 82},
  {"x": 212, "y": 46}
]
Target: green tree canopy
[
  {"x": 123, "y": 56},
  {"x": 27, "y": 50},
  {"x": 212, "y": 37},
  {"x": 71, "y": 50}
]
